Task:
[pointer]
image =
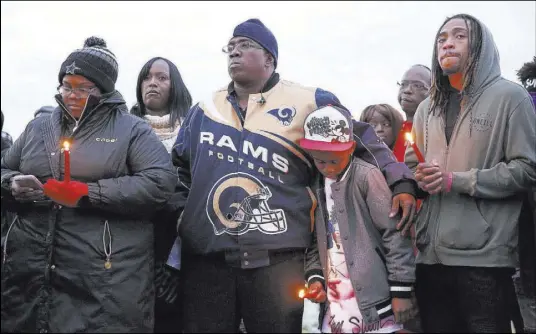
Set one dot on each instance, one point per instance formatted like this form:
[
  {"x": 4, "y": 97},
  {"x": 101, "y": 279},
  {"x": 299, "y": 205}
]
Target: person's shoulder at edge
[
  {"x": 510, "y": 89},
  {"x": 132, "y": 121},
  {"x": 295, "y": 85},
  {"x": 364, "y": 171},
  {"x": 362, "y": 166},
  {"x": 282, "y": 82}
]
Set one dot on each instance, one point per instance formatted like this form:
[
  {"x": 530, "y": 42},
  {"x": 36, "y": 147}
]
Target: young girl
[{"x": 386, "y": 121}]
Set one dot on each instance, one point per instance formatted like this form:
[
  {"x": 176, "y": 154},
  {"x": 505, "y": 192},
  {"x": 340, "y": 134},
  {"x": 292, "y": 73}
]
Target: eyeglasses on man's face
[{"x": 242, "y": 46}]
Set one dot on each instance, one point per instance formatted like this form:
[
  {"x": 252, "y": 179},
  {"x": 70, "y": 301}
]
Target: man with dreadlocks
[
  {"x": 525, "y": 280},
  {"x": 476, "y": 131}
]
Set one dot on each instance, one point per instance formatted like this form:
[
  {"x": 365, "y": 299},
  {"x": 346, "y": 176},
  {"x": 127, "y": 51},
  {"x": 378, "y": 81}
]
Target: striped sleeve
[{"x": 400, "y": 289}]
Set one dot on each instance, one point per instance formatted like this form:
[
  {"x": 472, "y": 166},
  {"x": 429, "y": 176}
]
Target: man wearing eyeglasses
[
  {"x": 413, "y": 89},
  {"x": 248, "y": 220}
]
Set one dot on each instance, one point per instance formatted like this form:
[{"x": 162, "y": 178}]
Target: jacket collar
[
  {"x": 345, "y": 173},
  {"x": 94, "y": 107},
  {"x": 51, "y": 127},
  {"x": 272, "y": 81}
]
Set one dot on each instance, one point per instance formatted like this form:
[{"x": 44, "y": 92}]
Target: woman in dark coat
[
  {"x": 163, "y": 100},
  {"x": 79, "y": 257}
]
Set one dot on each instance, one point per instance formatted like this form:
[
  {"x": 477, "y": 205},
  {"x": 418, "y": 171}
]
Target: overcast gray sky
[{"x": 357, "y": 50}]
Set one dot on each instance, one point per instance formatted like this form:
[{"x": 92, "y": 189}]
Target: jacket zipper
[
  {"x": 77, "y": 122},
  {"x": 461, "y": 114},
  {"x": 320, "y": 204},
  {"x": 4, "y": 250},
  {"x": 74, "y": 119},
  {"x": 107, "y": 244},
  {"x": 445, "y": 159}
]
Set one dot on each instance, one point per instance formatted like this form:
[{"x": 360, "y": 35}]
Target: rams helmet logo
[
  {"x": 238, "y": 203},
  {"x": 285, "y": 115}
]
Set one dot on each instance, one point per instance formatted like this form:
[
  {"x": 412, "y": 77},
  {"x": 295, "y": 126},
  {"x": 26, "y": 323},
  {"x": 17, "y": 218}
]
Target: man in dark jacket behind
[
  {"x": 44, "y": 111},
  {"x": 7, "y": 141},
  {"x": 525, "y": 280},
  {"x": 4, "y": 215}
]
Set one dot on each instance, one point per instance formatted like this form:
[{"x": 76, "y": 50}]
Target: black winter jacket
[{"x": 54, "y": 276}]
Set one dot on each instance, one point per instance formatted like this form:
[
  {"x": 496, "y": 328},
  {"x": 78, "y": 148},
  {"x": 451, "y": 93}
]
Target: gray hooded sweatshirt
[{"x": 492, "y": 154}]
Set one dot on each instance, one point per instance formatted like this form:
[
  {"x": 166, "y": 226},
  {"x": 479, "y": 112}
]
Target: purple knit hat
[{"x": 257, "y": 31}]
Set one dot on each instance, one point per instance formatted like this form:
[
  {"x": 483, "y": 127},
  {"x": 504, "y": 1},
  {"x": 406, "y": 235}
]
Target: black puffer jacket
[{"x": 54, "y": 276}]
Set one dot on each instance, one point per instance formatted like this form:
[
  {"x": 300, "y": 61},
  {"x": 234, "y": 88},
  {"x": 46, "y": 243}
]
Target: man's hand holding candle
[{"x": 431, "y": 179}]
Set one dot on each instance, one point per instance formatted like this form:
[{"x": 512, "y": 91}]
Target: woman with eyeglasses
[
  {"x": 385, "y": 120},
  {"x": 163, "y": 100},
  {"x": 79, "y": 256}
]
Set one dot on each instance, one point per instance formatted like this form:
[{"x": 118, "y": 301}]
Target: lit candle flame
[
  {"x": 301, "y": 293},
  {"x": 67, "y": 154},
  {"x": 409, "y": 137}
]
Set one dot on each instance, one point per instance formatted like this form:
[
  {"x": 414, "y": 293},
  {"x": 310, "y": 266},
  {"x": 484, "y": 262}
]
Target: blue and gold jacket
[{"x": 245, "y": 184}]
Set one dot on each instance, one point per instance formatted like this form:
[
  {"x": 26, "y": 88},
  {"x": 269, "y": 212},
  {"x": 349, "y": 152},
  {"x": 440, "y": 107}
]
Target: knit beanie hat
[
  {"x": 94, "y": 62},
  {"x": 257, "y": 31}
]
